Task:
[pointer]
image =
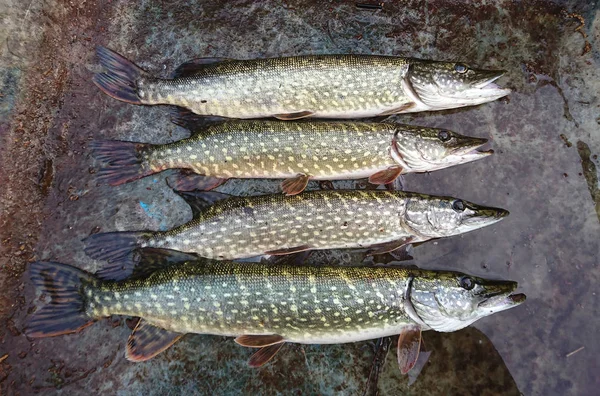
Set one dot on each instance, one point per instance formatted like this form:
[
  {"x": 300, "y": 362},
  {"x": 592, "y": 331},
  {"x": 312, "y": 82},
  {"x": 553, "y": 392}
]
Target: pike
[
  {"x": 227, "y": 228},
  {"x": 324, "y": 86},
  {"x": 294, "y": 151},
  {"x": 265, "y": 306}
]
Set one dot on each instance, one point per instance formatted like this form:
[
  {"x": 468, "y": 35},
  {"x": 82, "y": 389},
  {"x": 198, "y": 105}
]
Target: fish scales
[
  {"x": 264, "y": 304},
  {"x": 297, "y": 151},
  {"x": 303, "y": 304},
  {"x": 247, "y": 227},
  {"x": 329, "y": 86},
  {"x": 277, "y": 149},
  {"x": 226, "y": 227},
  {"x": 325, "y": 86}
]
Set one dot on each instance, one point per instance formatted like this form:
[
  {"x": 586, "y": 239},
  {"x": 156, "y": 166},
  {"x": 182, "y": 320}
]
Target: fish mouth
[
  {"x": 485, "y": 216},
  {"x": 499, "y": 296},
  {"x": 502, "y": 302},
  {"x": 487, "y": 89},
  {"x": 471, "y": 150}
]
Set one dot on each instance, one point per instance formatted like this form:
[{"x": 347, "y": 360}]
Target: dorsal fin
[
  {"x": 192, "y": 67},
  {"x": 154, "y": 259},
  {"x": 147, "y": 341},
  {"x": 191, "y": 121},
  {"x": 143, "y": 263},
  {"x": 199, "y": 201}
]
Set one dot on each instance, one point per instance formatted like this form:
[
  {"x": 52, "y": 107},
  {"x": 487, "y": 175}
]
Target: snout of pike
[{"x": 325, "y": 86}]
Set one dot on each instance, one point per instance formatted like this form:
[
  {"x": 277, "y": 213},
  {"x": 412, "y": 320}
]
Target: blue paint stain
[
  {"x": 154, "y": 215},
  {"x": 146, "y": 208}
]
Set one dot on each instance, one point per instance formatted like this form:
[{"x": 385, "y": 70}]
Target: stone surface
[{"x": 545, "y": 171}]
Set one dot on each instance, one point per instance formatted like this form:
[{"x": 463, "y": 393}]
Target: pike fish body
[
  {"x": 325, "y": 86},
  {"x": 237, "y": 227},
  {"x": 289, "y": 150},
  {"x": 262, "y": 304}
]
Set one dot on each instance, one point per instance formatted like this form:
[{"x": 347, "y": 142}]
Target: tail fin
[
  {"x": 121, "y": 76},
  {"x": 66, "y": 311},
  {"x": 124, "y": 161},
  {"x": 118, "y": 249}
]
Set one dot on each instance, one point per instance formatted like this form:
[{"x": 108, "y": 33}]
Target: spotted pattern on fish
[
  {"x": 325, "y": 86},
  {"x": 277, "y": 149},
  {"x": 252, "y": 226},
  {"x": 328, "y": 86},
  {"x": 247, "y": 227},
  {"x": 302, "y": 304}
]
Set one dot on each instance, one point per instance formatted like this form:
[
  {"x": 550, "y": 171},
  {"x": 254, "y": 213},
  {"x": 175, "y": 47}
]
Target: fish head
[
  {"x": 419, "y": 149},
  {"x": 450, "y": 301},
  {"x": 438, "y": 217},
  {"x": 448, "y": 85}
]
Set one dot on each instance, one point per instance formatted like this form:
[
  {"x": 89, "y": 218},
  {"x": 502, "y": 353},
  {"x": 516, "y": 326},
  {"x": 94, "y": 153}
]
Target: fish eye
[
  {"x": 444, "y": 136},
  {"x": 466, "y": 283},
  {"x": 458, "y": 205},
  {"x": 461, "y": 68}
]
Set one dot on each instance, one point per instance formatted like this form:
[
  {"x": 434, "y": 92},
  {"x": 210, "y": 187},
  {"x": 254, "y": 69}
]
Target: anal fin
[
  {"x": 293, "y": 116},
  {"x": 147, "y": 341},
  {"x": 386, "y": 176},
  {"x": 409, "y": 345},
  {"x": 193, "y": 122},
  {"x": 259, "y": 341},
  {"x": 294, "y": 185},
  {"x": 186, "y": 180},
  {"x": 263, "y": 355}
]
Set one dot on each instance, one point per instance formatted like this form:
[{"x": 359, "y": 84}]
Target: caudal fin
[
  {"x": 124, "y": 161},
  {"x": 118, "y": 249},
  {"x": 66, "y": 312},
  {"x": 120, "y": 78}
]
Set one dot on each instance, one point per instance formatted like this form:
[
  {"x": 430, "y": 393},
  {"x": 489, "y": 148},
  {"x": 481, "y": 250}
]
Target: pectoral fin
[
  {"x": 386, "y": 176},
  {"x": 293, "y": 116},
  {"x": 147, "y": 341},
  {"x": 294, "y": 185},
  {"x": 259, "y": 341},
  {"x": 263, "y": 355},
  {"x": 409, "y": 344}
]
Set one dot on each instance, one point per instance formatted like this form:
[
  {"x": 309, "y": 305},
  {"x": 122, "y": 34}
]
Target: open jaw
[
  {"x": 488, "y": 89},
  {"x": 502, "y": 301},
  {"x": 472, "y": 152}
]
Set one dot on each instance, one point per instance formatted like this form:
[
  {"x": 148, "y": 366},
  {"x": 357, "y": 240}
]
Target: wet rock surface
[{"x": 545, "y": 171}]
